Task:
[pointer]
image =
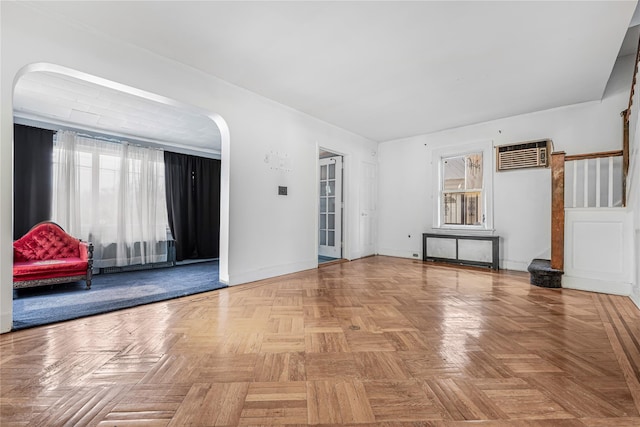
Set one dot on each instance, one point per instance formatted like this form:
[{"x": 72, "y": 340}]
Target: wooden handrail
[
  {"x": 625, "y": 148},
  {"x": 633, "y": 83},
  {"x": 600, "y": 154},
  {"x": 625, "y": 128}
]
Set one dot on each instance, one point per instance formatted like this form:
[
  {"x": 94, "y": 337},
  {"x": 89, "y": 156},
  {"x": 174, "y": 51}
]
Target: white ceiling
[
  {"x": 52, "y": 98},
  {"x": 383, "y": 70}
]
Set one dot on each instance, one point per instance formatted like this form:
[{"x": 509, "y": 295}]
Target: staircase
[
  {"x": 591, "y": 229},
  {"x": 543, "y": 275}
]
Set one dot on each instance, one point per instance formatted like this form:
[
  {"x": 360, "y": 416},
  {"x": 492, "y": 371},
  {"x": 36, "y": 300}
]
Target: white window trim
[{"x": 486, "y": 147}]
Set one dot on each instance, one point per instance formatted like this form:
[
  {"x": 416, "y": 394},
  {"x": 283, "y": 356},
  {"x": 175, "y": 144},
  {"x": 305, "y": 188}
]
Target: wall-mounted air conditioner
[{"x": 533, "y": 154}]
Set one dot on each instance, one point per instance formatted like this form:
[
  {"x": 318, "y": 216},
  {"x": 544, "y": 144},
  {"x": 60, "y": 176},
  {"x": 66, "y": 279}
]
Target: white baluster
[
  {"x": 586, "y": 183},
  {"x": 610, "y": 182},
  {"x": 598, "y": 182},
  {"x": 575, "y": 183}
]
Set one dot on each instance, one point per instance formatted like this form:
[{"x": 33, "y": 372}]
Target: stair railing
[
  {"x": 594, "y": 180},
  {"x": 627, "y": 116},
  {"x": 581, "y": 166}
]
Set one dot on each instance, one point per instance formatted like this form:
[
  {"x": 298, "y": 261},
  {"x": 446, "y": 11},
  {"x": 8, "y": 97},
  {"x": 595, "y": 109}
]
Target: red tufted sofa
[{"x": 47, "y": 255}]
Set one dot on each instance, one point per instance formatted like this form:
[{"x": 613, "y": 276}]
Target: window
[
  {"x": 462, "y": 190},
  {"x": 112, "y": 195}
]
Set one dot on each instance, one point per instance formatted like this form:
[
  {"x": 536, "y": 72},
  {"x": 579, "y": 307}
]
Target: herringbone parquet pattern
[{"x": 378, "y": 341}]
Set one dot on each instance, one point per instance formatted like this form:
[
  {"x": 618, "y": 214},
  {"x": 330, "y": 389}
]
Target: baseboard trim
[
  {"x": 269, "y": 272},
  {"x": 6, "y": 322},
  {"x": 504, "y": 264},
  {"x": 594, "y": 285},
  {"x": 636, "y": 299},
  {"x": 513, "y": 265},
  {"x": 401, "y": 254}
]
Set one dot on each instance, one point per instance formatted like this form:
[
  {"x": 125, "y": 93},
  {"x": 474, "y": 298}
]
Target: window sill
[{"x": 468, "y": 230}]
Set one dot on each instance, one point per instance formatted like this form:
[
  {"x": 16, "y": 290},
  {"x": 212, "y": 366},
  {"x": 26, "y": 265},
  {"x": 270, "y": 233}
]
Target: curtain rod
[
  {"x": 160, "y": 145},
  {"x": 109, "y": 139}
]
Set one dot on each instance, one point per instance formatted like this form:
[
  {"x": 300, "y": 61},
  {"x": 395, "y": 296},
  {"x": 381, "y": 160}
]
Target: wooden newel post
[
  {"x": 557, "y": 210},
  {"x": 625, "y": 153}
]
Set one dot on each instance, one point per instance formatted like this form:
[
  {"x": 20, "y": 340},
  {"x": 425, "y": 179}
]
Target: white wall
[
  {"x": 634, "y": 203},
  {"x": 262, "y": 234},
  {"x": 633, "y": 194},
  {"x": 522, "y": 198}
]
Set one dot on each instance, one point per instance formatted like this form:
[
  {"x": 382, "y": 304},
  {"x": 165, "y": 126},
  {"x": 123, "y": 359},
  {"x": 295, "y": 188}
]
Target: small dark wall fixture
[{"x": 282, "y": 191}]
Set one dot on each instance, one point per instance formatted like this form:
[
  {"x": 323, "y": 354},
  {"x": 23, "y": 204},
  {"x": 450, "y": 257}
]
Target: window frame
[{"x": 438, "y": 157}]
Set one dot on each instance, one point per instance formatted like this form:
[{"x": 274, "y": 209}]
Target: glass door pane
[{"x": 330, "y": 215}]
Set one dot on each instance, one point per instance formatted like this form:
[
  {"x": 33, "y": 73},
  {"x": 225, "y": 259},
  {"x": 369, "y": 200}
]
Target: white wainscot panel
[
  {"x": 598, "y": 250},
  {"x": 441, "y": 247},
  {"x": 475, "y": 250},
  {"x": 597, "y": 247}
]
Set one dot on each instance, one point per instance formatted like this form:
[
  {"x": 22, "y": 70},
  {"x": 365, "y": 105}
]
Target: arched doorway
[{"x": 47, "y": 95}]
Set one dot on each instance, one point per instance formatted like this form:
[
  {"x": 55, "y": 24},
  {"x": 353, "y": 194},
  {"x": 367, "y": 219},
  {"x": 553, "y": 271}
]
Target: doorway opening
[
  {"x": 132, "y": 283},
  {"x": 331, "y": 207}
]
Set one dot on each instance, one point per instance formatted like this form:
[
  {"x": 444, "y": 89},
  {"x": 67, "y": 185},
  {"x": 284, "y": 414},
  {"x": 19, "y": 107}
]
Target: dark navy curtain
[
  {"x": 32, "y": 177},
  {"x": 193, "y": 204}
]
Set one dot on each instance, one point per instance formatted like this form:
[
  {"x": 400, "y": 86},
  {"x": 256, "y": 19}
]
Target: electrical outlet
[{"x": 416, "y": 255}]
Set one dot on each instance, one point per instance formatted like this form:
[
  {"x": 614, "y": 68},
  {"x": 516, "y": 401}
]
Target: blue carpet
[{"x": 109, "y": 292}]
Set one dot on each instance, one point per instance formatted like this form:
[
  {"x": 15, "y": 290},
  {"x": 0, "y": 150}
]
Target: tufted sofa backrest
[{"x": 44, "y": 241}]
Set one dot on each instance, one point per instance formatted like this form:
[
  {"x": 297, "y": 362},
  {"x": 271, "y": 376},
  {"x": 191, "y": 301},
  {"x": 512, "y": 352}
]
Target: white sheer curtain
[{"x": 112, "y": 195}]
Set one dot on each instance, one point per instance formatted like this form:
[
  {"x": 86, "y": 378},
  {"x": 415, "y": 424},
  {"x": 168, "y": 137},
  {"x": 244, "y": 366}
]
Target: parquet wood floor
[{"x": 378, "y": 341}]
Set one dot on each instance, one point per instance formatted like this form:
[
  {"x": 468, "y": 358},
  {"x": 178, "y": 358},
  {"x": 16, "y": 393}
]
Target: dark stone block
[{"x": 543, "y": 275}]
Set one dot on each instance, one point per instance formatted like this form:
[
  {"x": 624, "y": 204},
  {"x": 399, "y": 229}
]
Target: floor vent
[{"x": 534, "y": 154}]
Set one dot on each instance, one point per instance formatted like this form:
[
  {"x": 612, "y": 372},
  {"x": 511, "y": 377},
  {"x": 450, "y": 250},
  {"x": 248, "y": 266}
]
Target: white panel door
[
  {"x": 330, "y": 219},
  {"x": 368, "y": 207}
]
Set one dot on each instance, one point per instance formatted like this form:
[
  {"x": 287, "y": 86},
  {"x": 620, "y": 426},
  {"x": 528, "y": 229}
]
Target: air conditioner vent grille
[{"x": 522, "y": 155}]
